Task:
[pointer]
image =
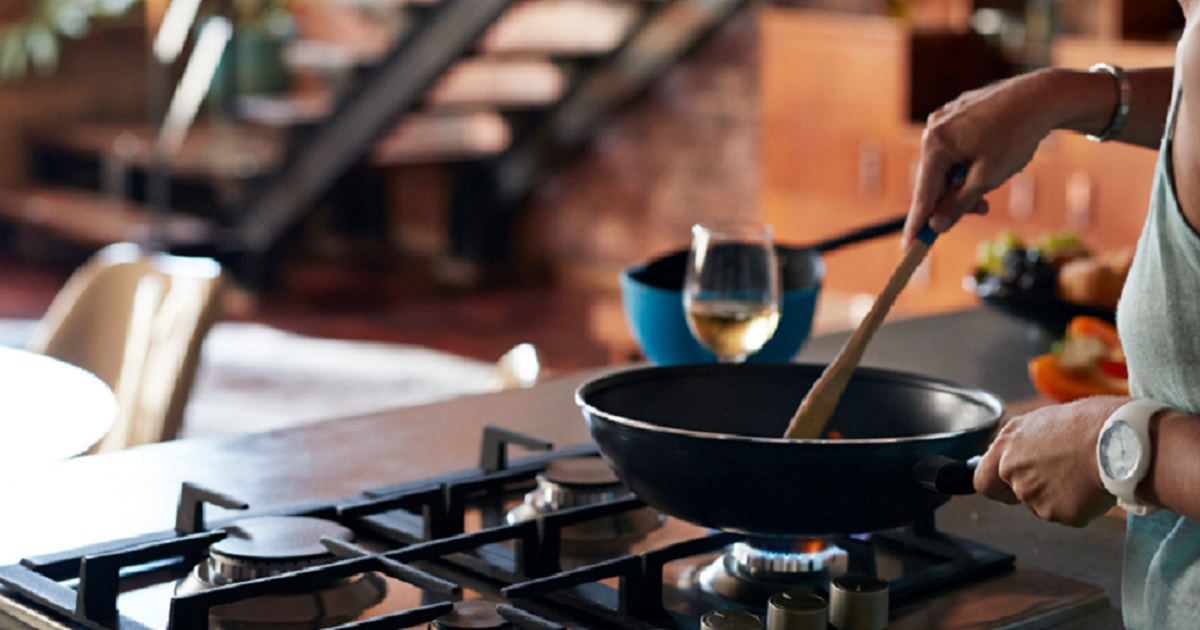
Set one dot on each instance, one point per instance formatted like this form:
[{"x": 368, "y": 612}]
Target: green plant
[
  {"x": 266, "y": 17},
  {"x": 32, "y": 39},
  {"x": 32, "y": 31}
]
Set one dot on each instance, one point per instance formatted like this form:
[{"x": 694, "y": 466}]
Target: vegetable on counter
[
  {"x": 1055, "y": 266},
  {"x": 1008, "y": 262},
  {"x": 1087, "y": 361}
]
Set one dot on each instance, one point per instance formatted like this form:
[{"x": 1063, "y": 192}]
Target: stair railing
[{"x": 171, "y": 119}]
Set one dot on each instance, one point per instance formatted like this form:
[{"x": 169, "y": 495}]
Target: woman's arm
[
  {"x": 996, "y": 130},
  {"x": 1174, "y": 478},
  {"x": 1046, "y": 459},
  {"x": 1150, "y": 99}
]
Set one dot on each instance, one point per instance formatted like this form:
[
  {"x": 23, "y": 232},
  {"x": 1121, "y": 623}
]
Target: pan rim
[{"x": 983, "y": 397}]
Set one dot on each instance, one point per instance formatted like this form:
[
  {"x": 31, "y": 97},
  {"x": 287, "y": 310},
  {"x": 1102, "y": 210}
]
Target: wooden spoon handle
[{"x": 813, "y": 414}]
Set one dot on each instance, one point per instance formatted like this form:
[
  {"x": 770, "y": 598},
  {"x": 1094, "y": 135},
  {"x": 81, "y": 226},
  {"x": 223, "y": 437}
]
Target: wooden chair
[{"x": 137, "y": 321}]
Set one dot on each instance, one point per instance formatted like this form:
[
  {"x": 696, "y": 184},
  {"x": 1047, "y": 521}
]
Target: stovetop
[{"x": 420, "y": 548}]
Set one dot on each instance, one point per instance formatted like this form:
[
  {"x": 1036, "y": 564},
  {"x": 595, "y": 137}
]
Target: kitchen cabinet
[
  {"x": 844, "y": 98},
  {"x": 1111, "y": 181}
]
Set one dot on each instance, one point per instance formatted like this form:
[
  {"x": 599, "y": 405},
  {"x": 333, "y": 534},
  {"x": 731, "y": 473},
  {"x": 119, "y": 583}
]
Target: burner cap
[
  {"x": 278, "y": 538},
  {"x": 581, "y": 481},
  {"x": 269, "y": 545},
  {"x": 474, "y": 613},
  {"x": 580, "y": 472}
]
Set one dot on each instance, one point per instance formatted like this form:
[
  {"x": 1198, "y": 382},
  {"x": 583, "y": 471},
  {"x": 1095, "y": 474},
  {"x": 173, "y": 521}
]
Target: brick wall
[{"x": 686, "y": 152}]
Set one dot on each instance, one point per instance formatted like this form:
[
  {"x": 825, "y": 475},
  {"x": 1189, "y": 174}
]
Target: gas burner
[
  {"x": 580, "y": 481},
  {"x": 771, "y": 560},
  {"x": 751, "y": 571},
  {"x": 471, "y": 614},
  {"x": 272, "y": 545}
]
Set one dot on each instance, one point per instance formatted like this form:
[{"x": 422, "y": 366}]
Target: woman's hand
[
  {"x": 995, "y": 131},
  {"x": 1046, "y": 459}
]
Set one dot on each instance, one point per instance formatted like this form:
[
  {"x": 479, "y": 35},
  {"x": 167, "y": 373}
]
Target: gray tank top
[{"x": 1159, "y": 321}]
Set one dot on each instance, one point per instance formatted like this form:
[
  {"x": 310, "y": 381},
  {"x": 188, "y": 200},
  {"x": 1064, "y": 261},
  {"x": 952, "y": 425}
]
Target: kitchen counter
[{"x": 100, "y": 498}]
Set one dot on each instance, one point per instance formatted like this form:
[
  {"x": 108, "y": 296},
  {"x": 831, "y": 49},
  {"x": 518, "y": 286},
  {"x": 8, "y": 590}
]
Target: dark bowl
[
  {"x": 1043, "y": 308},
  {"x": 652, "y": 297}
]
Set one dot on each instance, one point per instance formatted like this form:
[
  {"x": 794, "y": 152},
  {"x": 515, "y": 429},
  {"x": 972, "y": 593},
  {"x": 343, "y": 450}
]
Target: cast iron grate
[{"x": 424, "y": 524}]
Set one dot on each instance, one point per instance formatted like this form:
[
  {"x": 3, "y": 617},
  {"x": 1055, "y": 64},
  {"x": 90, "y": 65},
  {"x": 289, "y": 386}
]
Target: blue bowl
[{"x": 652, "y": 298}]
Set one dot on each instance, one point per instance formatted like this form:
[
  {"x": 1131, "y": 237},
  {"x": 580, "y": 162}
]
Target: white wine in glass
[{"x": 731, "y": 293}]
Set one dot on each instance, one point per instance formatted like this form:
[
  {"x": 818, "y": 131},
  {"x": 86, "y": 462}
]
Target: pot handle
[
  {"x": 946, "y": 475},
  {"x": 875, "y": 230}
]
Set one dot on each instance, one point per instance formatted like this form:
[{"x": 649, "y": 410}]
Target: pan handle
[
  {"x": 957, "y": 174},
  {"x": 890, "y": 226},
  {"x": 946, "y": 475}
]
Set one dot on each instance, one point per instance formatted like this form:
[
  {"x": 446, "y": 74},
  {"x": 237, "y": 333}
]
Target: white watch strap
[{"x": 1137, "y": 415}]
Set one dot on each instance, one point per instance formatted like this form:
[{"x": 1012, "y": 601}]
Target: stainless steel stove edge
[{"x": 15, "y": 615}]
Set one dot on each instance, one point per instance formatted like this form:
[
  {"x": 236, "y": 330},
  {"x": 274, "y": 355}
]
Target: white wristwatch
[{"x": 1123, "y": 452}]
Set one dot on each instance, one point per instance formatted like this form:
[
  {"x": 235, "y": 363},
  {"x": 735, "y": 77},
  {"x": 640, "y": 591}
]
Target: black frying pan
[{"x": 703, "y": 443}]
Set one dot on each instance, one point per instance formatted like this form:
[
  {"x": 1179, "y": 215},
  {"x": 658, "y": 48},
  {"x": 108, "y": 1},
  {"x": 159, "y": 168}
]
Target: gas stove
[{"x": 549, "y": 540}]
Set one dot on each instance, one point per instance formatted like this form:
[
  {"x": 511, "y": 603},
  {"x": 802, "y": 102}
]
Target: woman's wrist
[
  {"x": 1080, "y": 101},
  {"x": 1174, "y": 478}
]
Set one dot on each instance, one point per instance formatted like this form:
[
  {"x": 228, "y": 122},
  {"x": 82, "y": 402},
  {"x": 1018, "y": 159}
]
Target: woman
[{"x": 1066, "y": 462}]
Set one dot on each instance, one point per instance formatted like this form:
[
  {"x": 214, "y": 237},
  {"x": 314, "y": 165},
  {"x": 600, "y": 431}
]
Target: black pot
[
  {"x": 652, "y": 298},
  {"x": 703, "y": 443}
]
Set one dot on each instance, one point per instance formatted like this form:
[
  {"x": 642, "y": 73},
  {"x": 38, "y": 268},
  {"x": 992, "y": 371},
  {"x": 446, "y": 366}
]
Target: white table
[{"x": 49, "y": 410}]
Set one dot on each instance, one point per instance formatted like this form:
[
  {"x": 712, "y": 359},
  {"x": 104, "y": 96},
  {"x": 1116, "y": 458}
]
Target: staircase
[{"x": 499, "y": 91}]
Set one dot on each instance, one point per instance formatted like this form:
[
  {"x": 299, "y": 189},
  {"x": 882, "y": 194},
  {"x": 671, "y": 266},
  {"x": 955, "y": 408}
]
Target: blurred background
[{"x": 467, "y": 175}]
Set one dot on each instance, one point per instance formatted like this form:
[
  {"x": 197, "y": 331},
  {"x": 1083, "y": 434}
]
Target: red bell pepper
[{"x": 1087, "y": 362}]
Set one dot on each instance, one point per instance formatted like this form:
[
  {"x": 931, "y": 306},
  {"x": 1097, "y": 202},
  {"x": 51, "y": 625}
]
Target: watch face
[{"x": 1119, "y": 451}]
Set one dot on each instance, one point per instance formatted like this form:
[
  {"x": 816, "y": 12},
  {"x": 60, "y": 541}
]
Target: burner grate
[
  {"x": 640, "y": 577},
  {"x": 416, "y": 533},
  {"x": 93, "y": 603},
  {"x": 191, "y": 611}
]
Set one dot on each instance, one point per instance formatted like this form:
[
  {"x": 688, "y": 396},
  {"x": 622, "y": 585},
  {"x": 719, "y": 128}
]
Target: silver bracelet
[{"x": 1124, "y": 98}]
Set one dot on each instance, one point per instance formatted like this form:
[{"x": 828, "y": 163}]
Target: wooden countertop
[{"x": 103, "y": 497}]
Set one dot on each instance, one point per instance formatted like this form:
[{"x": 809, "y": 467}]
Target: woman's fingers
[
  {"x": 959, "y": 200},
  {"x": 938, "y": 180},
  {"x": 987, "y": 477},
  {"x": 939, "y": 197}
]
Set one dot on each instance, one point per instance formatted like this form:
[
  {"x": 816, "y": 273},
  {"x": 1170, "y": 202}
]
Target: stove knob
[
  {"x": 797, "y": 610},
  {"x": 730, "y": 620},
  {"x": 858, "y": 602}
]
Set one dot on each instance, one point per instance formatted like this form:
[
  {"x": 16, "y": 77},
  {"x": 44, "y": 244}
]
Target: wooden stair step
[
  {"x": 93, "y": 220},
  {"x": 561, "y": 27},
  {"x": 217, "y": 151},
  {"x": 500, "y": 82},
  {"x": 441, "y": 136},
  {"x": 509, "y": 83},
  {"x": 427, "y": 136}
]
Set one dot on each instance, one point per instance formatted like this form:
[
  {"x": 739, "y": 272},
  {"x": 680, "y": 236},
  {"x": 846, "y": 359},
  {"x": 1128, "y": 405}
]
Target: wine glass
[{"x": 731, "y": 292}]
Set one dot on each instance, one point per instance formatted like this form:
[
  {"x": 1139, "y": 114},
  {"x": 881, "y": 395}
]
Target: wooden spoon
[
  {"x": 811, "y": 417},
  {"x": 819, "y": 403}
]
